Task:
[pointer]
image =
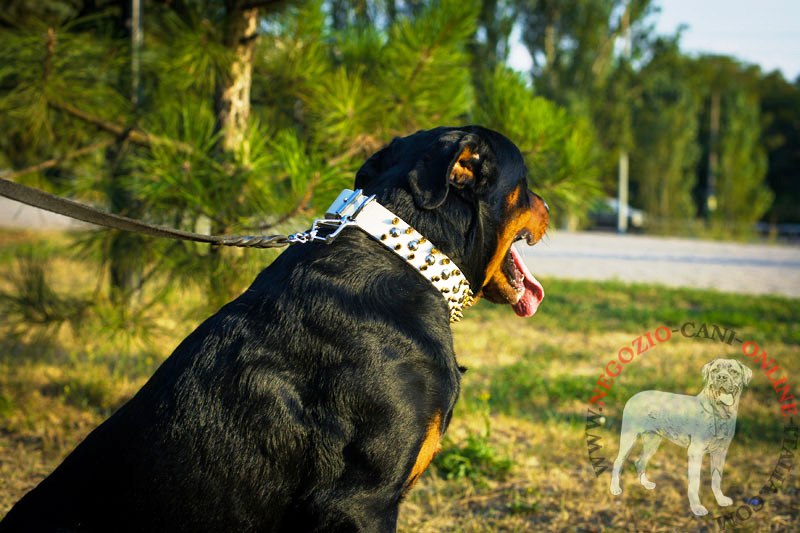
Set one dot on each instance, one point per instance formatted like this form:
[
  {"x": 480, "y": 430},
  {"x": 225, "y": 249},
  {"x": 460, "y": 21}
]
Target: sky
[{"x": 764, "y": 32}]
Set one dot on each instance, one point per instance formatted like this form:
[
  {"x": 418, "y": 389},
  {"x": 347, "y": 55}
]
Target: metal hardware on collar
[
  {"x": 348, "y": 204},
  {"x": 339, "y": 215}
]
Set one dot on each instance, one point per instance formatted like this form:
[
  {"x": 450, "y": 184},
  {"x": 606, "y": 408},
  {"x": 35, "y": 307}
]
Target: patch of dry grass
[{"x": 539, "y": 423}]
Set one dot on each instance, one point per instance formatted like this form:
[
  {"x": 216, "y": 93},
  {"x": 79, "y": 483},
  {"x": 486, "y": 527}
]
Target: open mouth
[
  {"x": 529, "y": 292},
  {"x": 727, "y": 394}
]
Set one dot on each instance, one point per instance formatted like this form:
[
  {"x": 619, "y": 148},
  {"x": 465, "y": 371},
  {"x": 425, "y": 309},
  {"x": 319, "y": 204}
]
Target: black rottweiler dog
[{"x": 314, "y": 400}]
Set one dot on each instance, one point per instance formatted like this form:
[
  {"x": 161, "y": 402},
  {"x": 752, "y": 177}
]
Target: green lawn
[{"x": 515, "y": 457}]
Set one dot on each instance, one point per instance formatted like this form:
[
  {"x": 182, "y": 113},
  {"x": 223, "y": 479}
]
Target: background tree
[
  {"x": 742, "y": 194},
  {"x": 576, "y": 63},
  {"x": 780, "y": 112},
  {"x": 665, "y": 126},
  {"x": 732, "y": 167}
]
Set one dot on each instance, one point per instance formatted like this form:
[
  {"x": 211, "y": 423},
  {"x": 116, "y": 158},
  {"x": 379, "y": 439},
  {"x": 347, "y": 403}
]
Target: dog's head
[
  {"x": 725, "y": 379},
  {"x": 466, "y": 190}
]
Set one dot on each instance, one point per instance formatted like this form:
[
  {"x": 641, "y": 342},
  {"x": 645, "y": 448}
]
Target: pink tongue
[{"x": 534, "y": 292}]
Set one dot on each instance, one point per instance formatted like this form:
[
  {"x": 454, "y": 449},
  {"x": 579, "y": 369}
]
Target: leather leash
[{"x": 69, "y": 208}]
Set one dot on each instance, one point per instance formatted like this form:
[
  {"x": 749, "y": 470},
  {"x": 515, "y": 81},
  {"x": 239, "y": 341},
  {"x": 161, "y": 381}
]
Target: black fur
[{"x": 302, "y": 404}]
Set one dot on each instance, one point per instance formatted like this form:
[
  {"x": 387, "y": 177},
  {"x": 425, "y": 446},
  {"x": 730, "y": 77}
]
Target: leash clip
[{"x": 341, "y": 213}]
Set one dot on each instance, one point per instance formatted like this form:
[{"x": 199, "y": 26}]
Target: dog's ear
[
  {"x": 465, "y": 168},
  {"x": 452, "y": 160},
  {"x": 747, "y": 374},
  {"x": 707, "y": 370}
]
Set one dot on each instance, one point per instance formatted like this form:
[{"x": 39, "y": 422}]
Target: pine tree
[
  {"x": 197, "y": 152},
  {"x": 742, "y": 195}
]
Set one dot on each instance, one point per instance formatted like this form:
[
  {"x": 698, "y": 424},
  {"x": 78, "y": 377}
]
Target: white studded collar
[{"x": 352, "y": 208}]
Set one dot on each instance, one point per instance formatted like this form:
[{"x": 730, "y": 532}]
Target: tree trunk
[
  {"x": 126, "y": 264},
  {"x": 713, "y": 155},
  {"x": 233, "y": 93},
  {"x": 233, "y": 112}
]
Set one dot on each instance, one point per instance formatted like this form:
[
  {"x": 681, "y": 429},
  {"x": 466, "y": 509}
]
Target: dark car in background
[{"x": 604, "y": 213}]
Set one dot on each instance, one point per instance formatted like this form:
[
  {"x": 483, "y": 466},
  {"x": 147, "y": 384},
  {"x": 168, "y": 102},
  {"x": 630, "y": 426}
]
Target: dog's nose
[{"x": 547, "y": 207}]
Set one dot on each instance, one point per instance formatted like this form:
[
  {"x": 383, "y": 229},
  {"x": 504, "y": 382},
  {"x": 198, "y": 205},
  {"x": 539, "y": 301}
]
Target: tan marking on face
[
  {"x": 431, "y": 445},
  {"x": 496, "y": 286}
]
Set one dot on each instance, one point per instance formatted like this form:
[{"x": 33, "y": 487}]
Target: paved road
[
  {"x": 729, "y": 267},
  {"x": 732, "y": 267},
  {"x": 16, "y": 215}
]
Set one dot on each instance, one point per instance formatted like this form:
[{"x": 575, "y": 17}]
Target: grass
[{"x": 514, "y": 457}]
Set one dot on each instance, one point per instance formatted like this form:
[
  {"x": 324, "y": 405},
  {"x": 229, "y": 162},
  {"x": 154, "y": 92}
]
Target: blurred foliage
[
  {"x": 665, "y": 154},
  {"x": 559, "y": 147}
]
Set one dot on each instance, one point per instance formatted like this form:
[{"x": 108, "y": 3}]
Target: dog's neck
[
  {"x": 457, "y": 228},
  {"x": 710, "y": 402},
  {"x": 418, "y": 252},
  {"x": 724, "y": 416}
]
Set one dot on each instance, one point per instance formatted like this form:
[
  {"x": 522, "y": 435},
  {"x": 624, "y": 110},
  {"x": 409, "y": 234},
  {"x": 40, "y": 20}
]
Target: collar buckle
[
  {"x": 348, "y": 205},
  {"x": 341, "y": 213}
]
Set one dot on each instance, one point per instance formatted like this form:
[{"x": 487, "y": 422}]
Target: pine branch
[
  {"x": 50, "y": 163},
  {"x": 133, "y": 134},
  {"x": 364, "y": 143},
  {"x": 300, "y": 208}
]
